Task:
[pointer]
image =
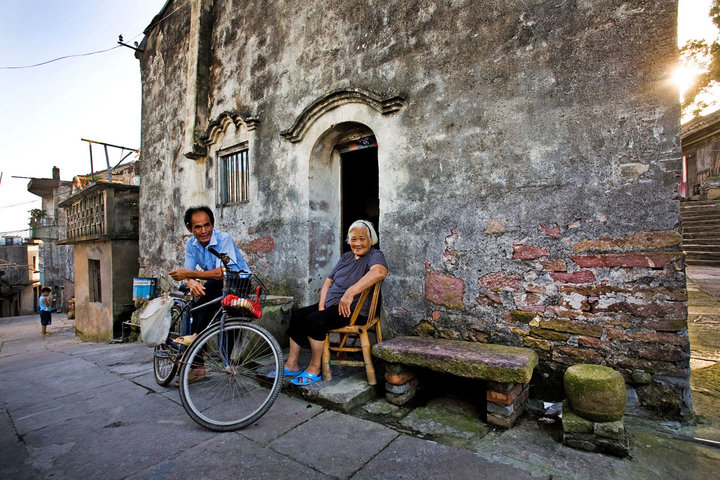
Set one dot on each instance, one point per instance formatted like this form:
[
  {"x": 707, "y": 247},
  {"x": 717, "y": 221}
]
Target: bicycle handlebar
[{"x": 224, "y": 258}]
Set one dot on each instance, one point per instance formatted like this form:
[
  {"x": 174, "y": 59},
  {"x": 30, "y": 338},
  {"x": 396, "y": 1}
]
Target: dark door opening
[{"x": 359, "y": 185}]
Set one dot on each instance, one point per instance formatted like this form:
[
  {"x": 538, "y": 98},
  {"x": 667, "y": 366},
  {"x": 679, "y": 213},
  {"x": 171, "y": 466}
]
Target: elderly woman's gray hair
[{"x": 367, "y": 226}]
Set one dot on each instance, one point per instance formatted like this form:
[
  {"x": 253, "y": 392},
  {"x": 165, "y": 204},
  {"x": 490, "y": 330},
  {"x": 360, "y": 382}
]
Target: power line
[
  {"x": 20, "y": 204},
  {"x": 60, "y": 58},
  {"x": 96, "y": 52}
]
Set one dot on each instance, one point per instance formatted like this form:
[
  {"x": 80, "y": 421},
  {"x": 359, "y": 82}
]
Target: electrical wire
[
  {"x": 19, "y": 204},
  {"x": 60, "y": 58},
  {"x": 152, "y": 25}
]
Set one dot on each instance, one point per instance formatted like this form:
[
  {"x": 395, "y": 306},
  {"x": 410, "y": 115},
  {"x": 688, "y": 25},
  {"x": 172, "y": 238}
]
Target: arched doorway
[
  {"x": 343, "y": 187},
  {"x": 358, "y": 183}
]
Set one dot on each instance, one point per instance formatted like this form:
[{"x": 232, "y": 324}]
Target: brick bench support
[{"x": 506, "y": 369}]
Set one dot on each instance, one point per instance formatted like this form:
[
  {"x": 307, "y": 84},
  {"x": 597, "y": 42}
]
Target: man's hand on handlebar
[{"x": 196, "y": 288}]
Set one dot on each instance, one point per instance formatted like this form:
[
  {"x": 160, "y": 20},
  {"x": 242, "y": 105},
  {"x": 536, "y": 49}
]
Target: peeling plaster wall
[{"x": 527, "y": 182}]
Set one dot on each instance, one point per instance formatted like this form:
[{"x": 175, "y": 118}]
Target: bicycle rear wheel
[
  {"x": 235, "y": 390},
  {"x": 165, "y": 355}
]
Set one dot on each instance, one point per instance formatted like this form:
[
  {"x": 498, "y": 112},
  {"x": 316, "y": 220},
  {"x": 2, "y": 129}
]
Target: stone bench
[{"x": 507, "y": 370}]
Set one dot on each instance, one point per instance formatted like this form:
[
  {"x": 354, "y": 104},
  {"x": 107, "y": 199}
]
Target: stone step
[
  {"x": 703, "y": 262},
  {"x": 714, "y": 229},
  {"x": 702, "y": 254}
]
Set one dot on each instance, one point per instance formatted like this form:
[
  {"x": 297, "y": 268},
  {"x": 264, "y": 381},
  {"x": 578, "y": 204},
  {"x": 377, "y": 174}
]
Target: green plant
[{"x": 36, "y": 214}]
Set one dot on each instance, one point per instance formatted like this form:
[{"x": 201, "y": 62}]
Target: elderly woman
[{"x": 358, "y": 269}]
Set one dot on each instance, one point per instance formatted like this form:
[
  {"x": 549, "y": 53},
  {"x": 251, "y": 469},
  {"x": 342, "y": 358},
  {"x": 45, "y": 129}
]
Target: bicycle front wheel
[{"x": 235, "y": 389}]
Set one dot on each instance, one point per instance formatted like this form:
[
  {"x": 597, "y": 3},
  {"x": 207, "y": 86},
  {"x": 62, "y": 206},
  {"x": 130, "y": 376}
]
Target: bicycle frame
[{"x": 187, "y": 321}]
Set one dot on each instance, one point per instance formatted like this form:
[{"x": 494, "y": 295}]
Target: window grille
[
  {"x": 94, "y": 285},
  {"x": 234, "y": 177}
]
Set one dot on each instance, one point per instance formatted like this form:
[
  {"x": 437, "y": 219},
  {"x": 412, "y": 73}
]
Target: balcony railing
[
  {"x": 106, "y": 210},
  {"x": 43, "y": 229}
]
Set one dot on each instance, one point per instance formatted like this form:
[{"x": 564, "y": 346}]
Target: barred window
[
  {"x": 234, "y": 177},
  {"x": 94, "y": 285}
]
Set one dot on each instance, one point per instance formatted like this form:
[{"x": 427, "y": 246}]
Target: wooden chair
[{"x": 360, "y": 331}]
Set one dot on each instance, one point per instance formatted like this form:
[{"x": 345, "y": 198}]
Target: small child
[{"x": 45, "y": 309}]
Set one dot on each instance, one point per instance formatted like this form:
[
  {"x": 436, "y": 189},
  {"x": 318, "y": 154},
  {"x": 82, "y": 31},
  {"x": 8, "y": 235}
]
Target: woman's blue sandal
[
  {"x": 306, "y": 378},
  {"x": 287, "y": 374}
]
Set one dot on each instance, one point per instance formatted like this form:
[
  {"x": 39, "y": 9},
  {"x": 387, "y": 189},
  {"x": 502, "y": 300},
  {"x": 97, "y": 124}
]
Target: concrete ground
[{"x": 70, "y": 410}]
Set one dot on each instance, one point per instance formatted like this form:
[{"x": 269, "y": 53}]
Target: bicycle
[{"x": 236, "y": 355}]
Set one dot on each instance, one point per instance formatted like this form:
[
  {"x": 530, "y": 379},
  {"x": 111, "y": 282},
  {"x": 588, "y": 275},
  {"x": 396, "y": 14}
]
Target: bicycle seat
[{"x": 181, "y": 291}]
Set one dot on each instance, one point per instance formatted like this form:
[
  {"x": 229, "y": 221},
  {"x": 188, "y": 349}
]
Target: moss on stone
[
  {"x": 425, "y": 329},
  {"x": 595, "y": 392},
  {"x": 521, "y": 316},
  {"x": 499, "y": 363},
  {"x": 549, "y": 334},
  {"x": 537, "y": 343}
]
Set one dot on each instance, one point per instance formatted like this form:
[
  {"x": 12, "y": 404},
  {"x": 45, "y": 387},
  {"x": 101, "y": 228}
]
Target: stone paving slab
[
  {"x": 335, "y": 444},
  {"x": 228, "y": 456},
  {"x": 416, "y": 459},
  {"x": 116, "y": 441},
  {"x": 284, "y": 415}
]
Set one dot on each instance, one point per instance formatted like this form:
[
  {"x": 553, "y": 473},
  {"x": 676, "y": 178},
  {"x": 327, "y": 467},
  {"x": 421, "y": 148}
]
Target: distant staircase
[{"x": 701, "y": 232}]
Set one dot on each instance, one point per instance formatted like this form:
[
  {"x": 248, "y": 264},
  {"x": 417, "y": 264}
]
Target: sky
[{"x": 46, "y": 110}]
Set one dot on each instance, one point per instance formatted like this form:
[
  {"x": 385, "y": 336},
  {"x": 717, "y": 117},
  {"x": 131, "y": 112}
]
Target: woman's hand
[{"x": 345, "y": 304}]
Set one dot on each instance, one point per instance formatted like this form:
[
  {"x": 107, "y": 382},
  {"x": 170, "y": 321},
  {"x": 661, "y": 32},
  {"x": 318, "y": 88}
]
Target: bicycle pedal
[{"x": 162, "y": 354}]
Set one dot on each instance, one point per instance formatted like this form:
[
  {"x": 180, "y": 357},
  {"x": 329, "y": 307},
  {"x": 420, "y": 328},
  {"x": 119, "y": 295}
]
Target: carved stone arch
[
  {"x": 217, "y": 128},
  {"x": 384, "y": 105}
]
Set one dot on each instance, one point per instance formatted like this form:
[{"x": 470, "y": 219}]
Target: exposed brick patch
[
  {"x": 537, "y": 343},
  {"x": 674, "y": 294},
  {"x": 571, "y": 355},
  {"x": 399, "y": 379},
  {"x": 500, "y": 281},
  {"x": 519, "y": 316},
  {"x": 569, "y": 313},
  {"x": 489, "y": 298},
  {"x": 675, "y": 309},
  {"x": 581, "y": 276},
  {"x": 549, "y": 334},
  {"x": 667, "y": 354},
  {"x": 529, "y": 298},
  {"x": 535, "y": 288},
  {"x": 554, "y": 265},
  {"x": 625, "y": 260},
  {"x": 532, "y": 308},
  {"x": 590, "y": 342},
  {"x": 650, "y": 366},
  {"x": 260, "y": 245},
  {"x": 504, "y": 398},
  {"x": 553, "y": 232},
  {"x": 561, "y": 325},
  {"x": 495, "y": 227},
  {"x": 449, "y": 254},
  {"x": 657, "y": 338},
  {"x": 639, "y": 241},
  {"x": 445, "y": 290},
  {"x": 529, "y": 252},
  {"x": 668, "y": 324}
]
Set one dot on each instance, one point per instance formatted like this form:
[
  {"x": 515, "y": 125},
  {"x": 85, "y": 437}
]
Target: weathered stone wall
[{"x": 528, "y": 167}]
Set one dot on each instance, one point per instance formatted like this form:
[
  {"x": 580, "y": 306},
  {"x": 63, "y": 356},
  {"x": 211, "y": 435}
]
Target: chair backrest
[{"x": 361, "y": 301}]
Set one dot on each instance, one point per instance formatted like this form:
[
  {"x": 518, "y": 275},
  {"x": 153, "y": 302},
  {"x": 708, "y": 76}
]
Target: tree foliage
[{"x": 707, "y": 57}]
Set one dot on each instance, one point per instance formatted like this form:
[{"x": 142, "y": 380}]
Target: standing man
[{"x": 200, "y": 221}]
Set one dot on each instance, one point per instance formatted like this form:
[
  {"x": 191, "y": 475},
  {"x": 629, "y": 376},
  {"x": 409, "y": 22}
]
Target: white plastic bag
[{"x": 155, "y": 321}]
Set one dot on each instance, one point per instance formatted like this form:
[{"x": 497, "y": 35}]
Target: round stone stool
[{"x": 595, "y": 392}]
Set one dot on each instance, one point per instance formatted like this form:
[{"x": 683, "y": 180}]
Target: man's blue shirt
[{"x": 196, "y": 254}]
